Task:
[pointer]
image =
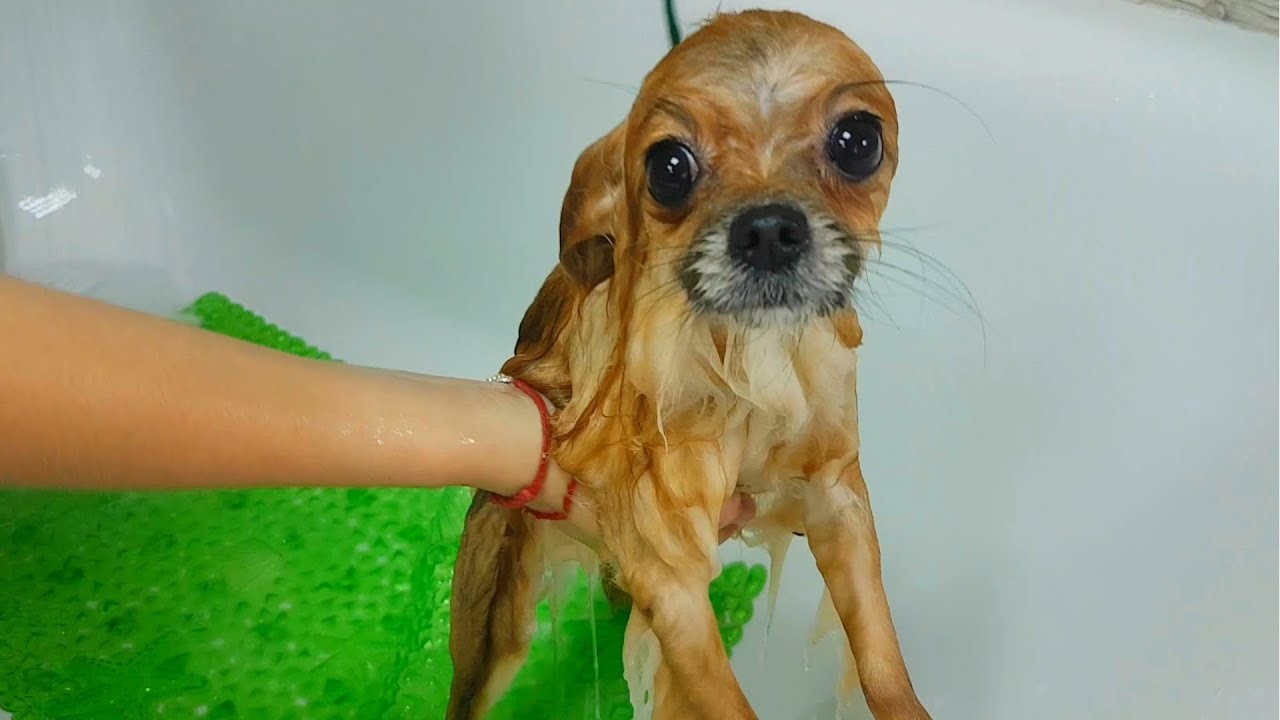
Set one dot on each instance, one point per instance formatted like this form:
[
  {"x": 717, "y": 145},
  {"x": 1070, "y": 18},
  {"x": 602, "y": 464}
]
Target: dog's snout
[{"x": 769, "y": 237}]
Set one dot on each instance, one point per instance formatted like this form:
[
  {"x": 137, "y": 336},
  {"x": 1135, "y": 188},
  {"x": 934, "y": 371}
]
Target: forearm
[{"x": 93, "y": 396}]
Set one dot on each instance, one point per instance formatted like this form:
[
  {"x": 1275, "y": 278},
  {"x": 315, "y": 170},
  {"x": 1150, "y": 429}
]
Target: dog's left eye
[
  {"x": 854, "y": 145},
  {"x": 672, "y": 172}
]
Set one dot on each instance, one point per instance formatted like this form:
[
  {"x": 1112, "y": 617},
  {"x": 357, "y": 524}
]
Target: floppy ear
[{"x": 587, "y": 217}]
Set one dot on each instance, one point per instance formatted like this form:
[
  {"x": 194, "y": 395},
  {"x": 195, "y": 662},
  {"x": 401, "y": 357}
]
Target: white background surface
[{"x": 1078, "y": 514}]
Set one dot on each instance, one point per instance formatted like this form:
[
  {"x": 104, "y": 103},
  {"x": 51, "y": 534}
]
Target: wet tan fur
[{"x": 664, "y": 413}]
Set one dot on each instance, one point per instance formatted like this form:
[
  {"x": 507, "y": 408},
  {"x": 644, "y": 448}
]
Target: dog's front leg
[
  {"x": 842, "y": 535},
  {"x": 665, "y": 542},
  {"x": 655, "y": 694},
  {"x": 694, "y": 679}
]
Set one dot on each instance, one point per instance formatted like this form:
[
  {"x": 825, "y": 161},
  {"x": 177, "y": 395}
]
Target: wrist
[
  {"x": 548, "y": 492},
  {"x": 517, "y": 441},
  {"x": 432, "y": 432}
]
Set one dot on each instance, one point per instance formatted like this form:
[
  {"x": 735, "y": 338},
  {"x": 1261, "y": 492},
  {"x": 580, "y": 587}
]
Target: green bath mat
[{"x": 273, "y": 603}]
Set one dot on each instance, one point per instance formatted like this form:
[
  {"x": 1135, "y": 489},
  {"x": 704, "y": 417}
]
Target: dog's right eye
[{"x": 672, "y": 172}]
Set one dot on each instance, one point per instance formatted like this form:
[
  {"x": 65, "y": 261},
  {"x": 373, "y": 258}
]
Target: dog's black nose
[{"x": 769, "y": 237}]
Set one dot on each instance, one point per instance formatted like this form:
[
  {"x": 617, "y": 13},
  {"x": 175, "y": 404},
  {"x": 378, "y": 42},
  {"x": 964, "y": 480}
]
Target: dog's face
[{"x": 752, "y": 172}]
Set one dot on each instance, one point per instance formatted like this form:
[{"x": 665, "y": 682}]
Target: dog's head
[{"x": 751, "y": 174}]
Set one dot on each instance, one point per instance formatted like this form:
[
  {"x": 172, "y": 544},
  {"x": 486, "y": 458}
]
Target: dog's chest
[{"x": 797, "y": 409}]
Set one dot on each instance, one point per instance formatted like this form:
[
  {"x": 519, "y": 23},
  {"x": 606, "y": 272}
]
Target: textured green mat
[{"x": 272, "y": 603}]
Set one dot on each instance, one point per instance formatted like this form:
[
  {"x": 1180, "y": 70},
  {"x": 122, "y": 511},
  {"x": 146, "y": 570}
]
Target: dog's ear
[{"x": 588, "y": 215}]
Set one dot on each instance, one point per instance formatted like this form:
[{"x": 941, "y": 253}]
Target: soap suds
[
  {"x": 828, "y": 632},
  {"x": 777, "y": 547},
  {"x": 640, "y": 659},
  {"x": 592, "y": 580}
]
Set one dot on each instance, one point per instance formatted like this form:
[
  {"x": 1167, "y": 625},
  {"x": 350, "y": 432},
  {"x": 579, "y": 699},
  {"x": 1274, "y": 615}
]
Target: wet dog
[{"x": 699, "y": 337}]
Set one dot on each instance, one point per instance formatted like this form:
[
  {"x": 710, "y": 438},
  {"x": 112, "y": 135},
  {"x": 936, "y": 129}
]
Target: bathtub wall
[{"x": 1069, "y": 381}]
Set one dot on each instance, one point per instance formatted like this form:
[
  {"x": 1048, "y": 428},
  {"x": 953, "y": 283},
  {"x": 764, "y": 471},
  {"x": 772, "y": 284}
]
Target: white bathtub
[{"x": 1078, "y": 514}]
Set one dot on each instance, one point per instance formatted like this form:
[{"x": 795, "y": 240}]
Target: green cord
[{"x": 673, "y": 25}]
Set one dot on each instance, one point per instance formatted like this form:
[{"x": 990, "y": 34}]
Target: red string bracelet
[
  {"x": 531, "y": 491},
  {"x": 563, "y": 513}
]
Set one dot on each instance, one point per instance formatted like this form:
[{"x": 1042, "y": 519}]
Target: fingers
[
  {"x": 739, "y": 510},
  {"x": 729, "y": 511}
]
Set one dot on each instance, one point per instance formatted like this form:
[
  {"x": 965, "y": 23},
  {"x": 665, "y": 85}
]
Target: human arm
[{"x": 97, "y": 397}]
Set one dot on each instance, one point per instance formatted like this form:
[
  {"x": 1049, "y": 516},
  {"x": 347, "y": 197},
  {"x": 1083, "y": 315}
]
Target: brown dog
[{"x": 699, "y": 336}]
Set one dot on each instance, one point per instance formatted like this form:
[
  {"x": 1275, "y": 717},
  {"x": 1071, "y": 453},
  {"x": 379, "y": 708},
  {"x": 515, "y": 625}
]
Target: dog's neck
[{"x": 788, "y": 393}]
